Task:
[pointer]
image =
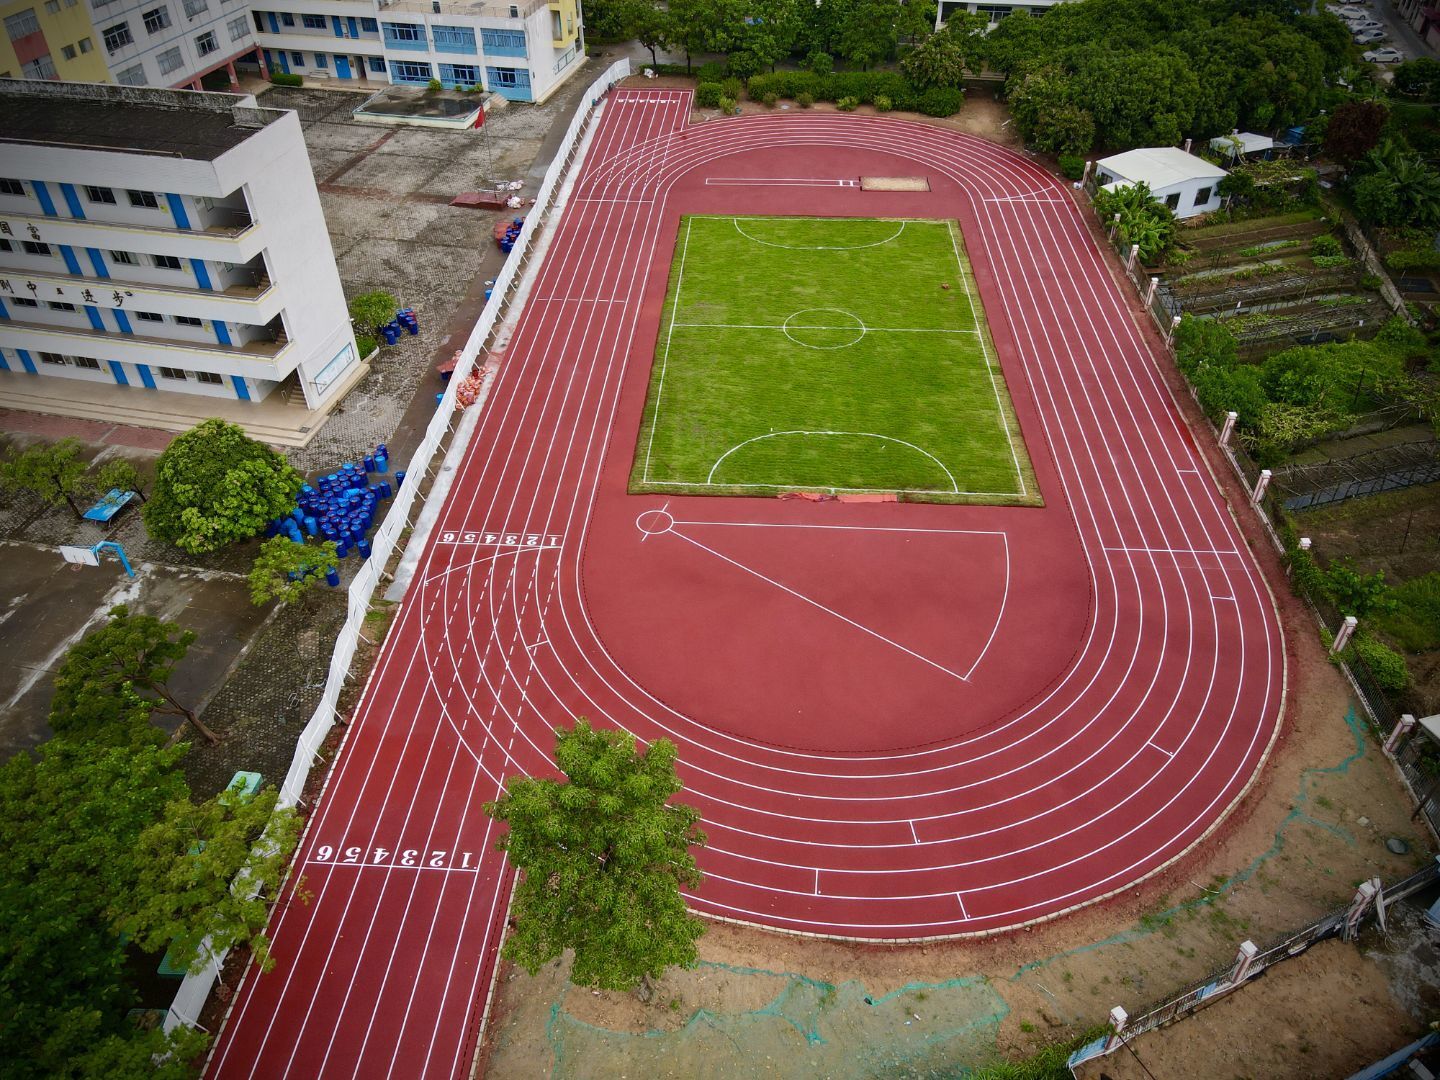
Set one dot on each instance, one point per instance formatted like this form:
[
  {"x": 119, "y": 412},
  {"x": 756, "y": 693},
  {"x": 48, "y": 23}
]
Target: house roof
[
  {"x": 1250, "y": 143},
  {"x": 1159, "y": 167}
]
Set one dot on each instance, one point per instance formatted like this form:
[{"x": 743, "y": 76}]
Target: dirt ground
[{"x": 764, "y": 1004}]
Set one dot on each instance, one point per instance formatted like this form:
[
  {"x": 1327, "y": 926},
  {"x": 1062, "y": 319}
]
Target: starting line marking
[
  {"x": 1174, "y": 551},
  {"x": 502, "y": 539}
]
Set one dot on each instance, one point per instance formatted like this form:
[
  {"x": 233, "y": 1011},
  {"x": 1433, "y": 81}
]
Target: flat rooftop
[{"x": 131, "y": 119}]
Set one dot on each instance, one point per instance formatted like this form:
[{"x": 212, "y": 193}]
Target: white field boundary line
[
  {"x": 778, "y": 181},
  {"x": 985, "y": 355},
  {"x": 665, "y": 357},
  {"x": 194, "y": 990}
]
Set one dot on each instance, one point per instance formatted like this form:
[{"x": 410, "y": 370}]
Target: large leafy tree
[
  {"x": 1354, "y": 129},
  {"x": 1398, "y": 188},
  {"x": 866, "y": 32},
  {"x": 210, "y": 884},
  {"x": 131, "y": 657},
  {"x": 55, "y": 472},
  {"x": 70, "y": 821},
  {"x": 700, "y": 26},
  {"x": 603, "y": 855},
  {"x": 215, "y": 485},
  {"x": 769, "y": 33},
  {"x": 1143, "y": 219}
]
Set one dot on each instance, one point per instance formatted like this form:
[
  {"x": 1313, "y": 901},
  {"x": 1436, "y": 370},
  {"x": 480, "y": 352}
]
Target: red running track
[{"x": 899, "y": 721}]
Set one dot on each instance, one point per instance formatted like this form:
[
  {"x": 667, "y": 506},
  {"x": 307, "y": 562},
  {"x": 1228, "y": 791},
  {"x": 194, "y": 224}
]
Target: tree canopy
[
  {"x": 129, "y": 659},
  {"x": 71, "y": 817},
  {"x": 55, "y": 472},
  {"x": 1147, "y": 72},
  {"x": 286, "y": 571},
  {"x": 215, "y": 485},
  {"x": 603, "y": 856}
]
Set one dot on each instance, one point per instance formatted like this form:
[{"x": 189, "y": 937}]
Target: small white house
[
  {"x": 1242, "y": 144},
  {"x": 1183, "y": 182}
]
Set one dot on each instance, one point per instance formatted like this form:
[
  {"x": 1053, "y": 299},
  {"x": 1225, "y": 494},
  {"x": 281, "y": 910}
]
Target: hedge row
[
  {"x": 864, "y": 87},
  {"x": 280, "y": 78}
]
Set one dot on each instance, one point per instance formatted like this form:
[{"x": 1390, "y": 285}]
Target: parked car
[
  {"x": 1387, "y": 55},
  {"x": 1359, "y": 26},
  {"x": 1369, "y": 37},
  {"x": 1346, "y": 11}
]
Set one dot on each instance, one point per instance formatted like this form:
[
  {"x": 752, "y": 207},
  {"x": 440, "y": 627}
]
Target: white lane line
[
  {"x": 913, "y": 832},
  {"x": 395, "y": 866},
  {"x": 960, "y": 899},
  {"x": 868, "y": 328},
  {"x": 1174, "y": 551},
  {"x": 777, "y": 181},
  {"x": 1153, "y": 746}
]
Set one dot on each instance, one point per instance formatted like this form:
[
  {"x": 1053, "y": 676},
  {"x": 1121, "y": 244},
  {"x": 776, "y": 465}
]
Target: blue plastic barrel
[
  {"x": 382, "y": 463},
  {"x": 332, "y": 577},
  {"x": 384, "y": 490},
  {"x": 310, "y": 526},
  {"x": 369, "y": 463},
  {"x": 363, "y": 547}
]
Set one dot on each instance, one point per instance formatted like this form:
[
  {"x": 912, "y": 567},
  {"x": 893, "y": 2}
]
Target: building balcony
[
  {"x": 265, "y": 358},
  {"x": 255, "y": 301},
  {"x": 227, "y": 239},
  {"x": 479, "y": 9}
]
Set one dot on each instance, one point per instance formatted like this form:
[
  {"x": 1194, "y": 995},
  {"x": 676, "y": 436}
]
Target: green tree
[
  {"x": 129, "y": 655},
  {"x": 650, "y": 27},
  {"x": 70, "y": 819},
  {"x": 1143, "y": 219},
  {"x": 54, "y": 472},
  {"x": 120, "y": 473},
  {"x": 603, "y": 856},
  {"x": 286, "y": 571},
  {"x": 936, "y": 61},
  {"x": 916, "y": 20},
  {"x": 701, "y": 26},
  {"x": 215, "y": 485},
  {"x": 372, "y": 310},
  {"x": 1398, "y": 189},
  {"x": 770, "y": 34},
  {"x": 1045, "y": 112},
  {"x": 145, "y": 1054},
  {"x": 866, "y": 32},
  {"x": 196, "y": 853}
]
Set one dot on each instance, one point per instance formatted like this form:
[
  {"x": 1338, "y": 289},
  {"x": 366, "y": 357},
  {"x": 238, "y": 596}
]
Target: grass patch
[{"x": 831, "y": 355}]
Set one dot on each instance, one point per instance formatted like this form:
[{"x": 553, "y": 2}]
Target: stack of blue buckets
[
  {"x": 341, "y": 506},
  {"x": 404, "y": 319}
]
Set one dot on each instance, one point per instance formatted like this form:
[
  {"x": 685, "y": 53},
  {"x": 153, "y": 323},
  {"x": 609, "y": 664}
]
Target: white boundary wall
[{"x": 195, "y": 989}]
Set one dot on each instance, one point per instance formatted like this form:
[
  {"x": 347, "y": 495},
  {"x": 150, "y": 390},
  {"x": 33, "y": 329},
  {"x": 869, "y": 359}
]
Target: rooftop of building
[
  {"x": 130, "y": 119},
  {"x": 1159, "y": 167}
]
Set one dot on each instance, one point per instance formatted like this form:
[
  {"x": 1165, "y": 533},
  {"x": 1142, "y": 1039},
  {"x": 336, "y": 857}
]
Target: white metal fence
[{"x": 195, "y": 989}]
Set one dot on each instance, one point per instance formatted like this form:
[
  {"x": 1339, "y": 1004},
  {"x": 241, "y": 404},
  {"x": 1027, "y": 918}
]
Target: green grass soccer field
[{"x": 827, "y": 354}]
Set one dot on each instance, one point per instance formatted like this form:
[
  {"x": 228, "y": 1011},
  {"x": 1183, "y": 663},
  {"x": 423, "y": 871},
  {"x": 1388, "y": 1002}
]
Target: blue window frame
[
  {"x": 313, "y": 22},
  {"x": 287, "y": 18},
  {"x": 503, "y": 42},
  {"x": 370, "y": 26},
  {"x": 408, "y": 71},
  {"x": 321, "y": 60},
  {"x": 377, "y": 64},
  {"x": 404, "y": 36},
  {"x": 298, "y": 59},
  {"x": 459, "y": 75},
  {"x": 459, "y": 39}
]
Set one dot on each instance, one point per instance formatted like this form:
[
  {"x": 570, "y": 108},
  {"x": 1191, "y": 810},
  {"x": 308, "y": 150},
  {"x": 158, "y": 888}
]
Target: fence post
[
  {"x": 1261, "y": 483},
  {"x": 1085, "y": 176},
  {"x": 1118, "y": 1019},
  {"x": 1399, "y": 733},
  {"x": 1114, "y": 224},
  {"x": 1174, "y": 325},
  {"x": 1229, "y": 428},
  {"x": 1150, "y": 291},
  {"x": 1244, "y": 959},
  {"x": 1342, "y": 637},
  {"x": 1130, "y": 259},
  {"x": 1304, "y": 543},
  {"x": 1364, "y": 897}
]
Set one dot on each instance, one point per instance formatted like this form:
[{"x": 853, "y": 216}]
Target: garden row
[{"x": 885, "y": 90}]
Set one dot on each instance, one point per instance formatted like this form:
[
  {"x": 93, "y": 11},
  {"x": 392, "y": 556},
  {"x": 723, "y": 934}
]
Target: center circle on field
[{"x": 825, "y": 331}]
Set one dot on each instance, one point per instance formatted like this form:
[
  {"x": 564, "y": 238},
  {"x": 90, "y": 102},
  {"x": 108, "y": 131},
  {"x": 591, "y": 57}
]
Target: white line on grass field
[
  {"x": 868, "y": 329},
  {"x": 665, "y": 357},
  {"x": 954, "y": 484},
  {"x": 813, "y": 247},
  {"x": 985, "y": 355}
]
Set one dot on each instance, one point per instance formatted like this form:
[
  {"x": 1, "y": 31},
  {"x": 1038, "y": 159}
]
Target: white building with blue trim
[
  {"x": 165, "y": 241},
  {"x": 522, "y": 51}
]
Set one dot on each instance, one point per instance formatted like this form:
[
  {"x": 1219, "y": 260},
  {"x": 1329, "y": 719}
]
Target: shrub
[
  {"x": 1330, "y": 262},
  {"x": 941, "y": 101},
  {"x": 1072, "y": 166},
  {"x": 732, "y": 88},
  {"x": 1325, "y": 244},
  {"x": 743, "y": 64},
  {"x": 882, "y": 103},
  {"x": 1386, "y": 665},
  {"x": 434, "y": 86},
  {"x": 372, "y": 310},
  {"x": 365, "y": 345},
  {"x": 821, "y": 63},
  {"x": 805, "y": 100},
  {"x": 727, "y": 105},
  {"x": 770, "y": 98},
  {"x": 1415, "y": 623},
  {"x": 1415, "y": 259},
  {"x": 279, "y": 78},
  {"x": 708, "y": 94},
  {"x": 847, "y": 104},
  {"x": 711, "y": 72}
]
